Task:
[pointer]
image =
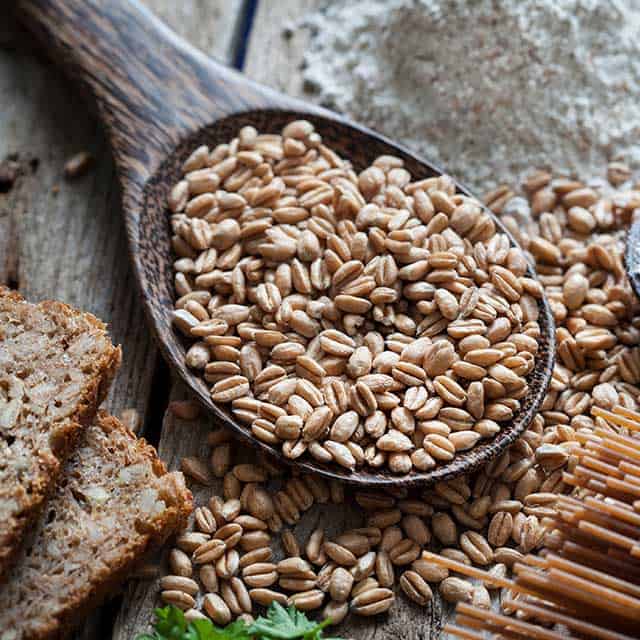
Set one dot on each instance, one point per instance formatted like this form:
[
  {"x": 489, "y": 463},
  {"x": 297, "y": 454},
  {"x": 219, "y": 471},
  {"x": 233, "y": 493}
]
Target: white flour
[{"x": 487, "y": 88}]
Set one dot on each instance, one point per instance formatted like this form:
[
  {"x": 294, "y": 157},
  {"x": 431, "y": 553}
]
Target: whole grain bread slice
[
  {"x": 114, "y": 501},
  {"x": 56, "y": 365}
]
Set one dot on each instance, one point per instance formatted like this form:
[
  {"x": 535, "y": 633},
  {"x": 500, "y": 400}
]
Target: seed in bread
[
  {"x": 56, "y": 365},
  {"x": 115, "y": 500}
]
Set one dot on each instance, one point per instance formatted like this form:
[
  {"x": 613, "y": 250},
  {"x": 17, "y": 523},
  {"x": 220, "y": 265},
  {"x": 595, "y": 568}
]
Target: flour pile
[{"x": 488, "y": 89}]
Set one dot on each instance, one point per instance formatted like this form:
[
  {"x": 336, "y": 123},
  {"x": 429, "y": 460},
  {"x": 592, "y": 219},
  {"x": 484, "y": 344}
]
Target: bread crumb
[{"x": 131, "y": 419}]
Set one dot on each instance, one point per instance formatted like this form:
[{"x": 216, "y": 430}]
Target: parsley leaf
[
  {"x": 286, "y": 624},
  {"x": 279, "y": 624},
  {"x": 171, "y": 625}
]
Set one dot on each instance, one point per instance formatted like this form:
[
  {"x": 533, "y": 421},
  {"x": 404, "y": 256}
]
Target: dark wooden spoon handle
[{"x": 151, "y": 87}]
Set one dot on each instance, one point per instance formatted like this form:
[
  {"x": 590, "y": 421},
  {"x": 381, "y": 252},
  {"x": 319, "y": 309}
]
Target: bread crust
[
  {"x": 155, "y": 535},
  {"x": 107, "y": 580},
  {"x": 49, "y": 466}
]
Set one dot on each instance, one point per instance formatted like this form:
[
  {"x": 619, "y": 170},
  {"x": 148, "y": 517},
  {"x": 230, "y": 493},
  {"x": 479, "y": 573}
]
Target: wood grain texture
[
  {"x": 279, "y": 29},
  {"x": 151, "y": 88},
  {"x": 62, "y": 239},
  {"x": 210, "y": 25},
  {"x": 70, "y": 245},
  {"x": 66, "y": 240}
]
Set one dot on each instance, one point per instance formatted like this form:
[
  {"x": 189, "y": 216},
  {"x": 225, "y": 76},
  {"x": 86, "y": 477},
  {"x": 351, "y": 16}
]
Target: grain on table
[{"x": 489, "y": 519}]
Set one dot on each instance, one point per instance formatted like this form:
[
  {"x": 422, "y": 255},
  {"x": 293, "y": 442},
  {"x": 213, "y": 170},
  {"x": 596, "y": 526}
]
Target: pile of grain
[
  {"x": 367, "y": 320},
  {"x": 490, "y": 519}
]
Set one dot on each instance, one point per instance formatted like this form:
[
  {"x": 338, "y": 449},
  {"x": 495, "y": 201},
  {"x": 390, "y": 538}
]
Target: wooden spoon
[
  {"x": 158, "y": 98},
  {"x": 632, "y": 253}
]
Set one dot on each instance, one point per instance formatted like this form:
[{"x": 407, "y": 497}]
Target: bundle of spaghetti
[{"x": 586, "y": 580}]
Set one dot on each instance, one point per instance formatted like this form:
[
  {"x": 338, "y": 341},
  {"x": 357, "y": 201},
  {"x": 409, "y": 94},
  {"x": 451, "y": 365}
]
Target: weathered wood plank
[
  {"x": 212, "y": 26},
  {"x": 276, "y": 47},
  {"x": 65, "y": 240},
  {"x": 274, "y": 31}
]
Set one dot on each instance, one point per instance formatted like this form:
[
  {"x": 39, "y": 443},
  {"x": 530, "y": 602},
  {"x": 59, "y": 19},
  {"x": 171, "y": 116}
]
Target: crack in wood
[
  {"x": 10, "y": 256},
  {"x": 242, "y": 35},
  {"x": 13, "y": 204},
  {"x": 161, "y": 385}
]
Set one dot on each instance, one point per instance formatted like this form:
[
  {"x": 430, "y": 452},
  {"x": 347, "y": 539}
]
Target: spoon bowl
[{"x": 159, "y": 98}]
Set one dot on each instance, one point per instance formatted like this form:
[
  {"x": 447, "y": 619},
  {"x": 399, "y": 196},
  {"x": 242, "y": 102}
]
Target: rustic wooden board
[
  {"x": 61, "y": 239},
  {"x": 213, "y": 25},
  {"x": 276, "y": 47},
  {"x": 65, "y": 239}
]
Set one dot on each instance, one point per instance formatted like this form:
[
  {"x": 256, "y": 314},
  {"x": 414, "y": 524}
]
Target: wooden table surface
[{"x": 65, "y": 240}]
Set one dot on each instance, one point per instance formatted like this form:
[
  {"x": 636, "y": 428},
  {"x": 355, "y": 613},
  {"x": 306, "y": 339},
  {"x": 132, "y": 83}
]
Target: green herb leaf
[
  {"x": 279, "y": 624},
  {"x": 235, "y": 631},
  {"x": 286, "y": 624},
  {"x": 171, "y": 625}
]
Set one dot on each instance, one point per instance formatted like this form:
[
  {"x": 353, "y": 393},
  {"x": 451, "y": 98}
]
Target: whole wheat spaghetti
[{"x": 586, "y": 582}]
